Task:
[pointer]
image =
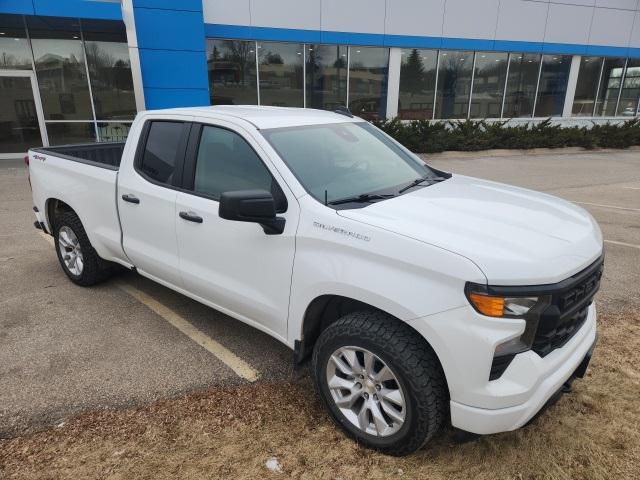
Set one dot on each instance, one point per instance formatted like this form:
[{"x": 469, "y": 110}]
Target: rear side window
[
  {"x": 161, "y": 150},
  {"x": 226, "y": 162}
]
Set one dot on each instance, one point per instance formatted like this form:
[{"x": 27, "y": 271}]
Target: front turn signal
[{"x": 487, "y": 305}]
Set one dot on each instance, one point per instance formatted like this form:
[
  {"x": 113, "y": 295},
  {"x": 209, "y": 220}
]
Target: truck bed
[{"x": 105, "y": 155}]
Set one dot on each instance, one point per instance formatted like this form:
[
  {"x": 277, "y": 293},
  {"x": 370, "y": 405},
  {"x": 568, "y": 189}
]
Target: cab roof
[{"x": 264, "y": 117}]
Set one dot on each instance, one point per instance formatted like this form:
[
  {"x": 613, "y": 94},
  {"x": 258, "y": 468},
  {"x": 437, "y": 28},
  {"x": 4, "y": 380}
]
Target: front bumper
[
  {"x": 465, "y": 349},
  {"x": 485, "y": 421}
]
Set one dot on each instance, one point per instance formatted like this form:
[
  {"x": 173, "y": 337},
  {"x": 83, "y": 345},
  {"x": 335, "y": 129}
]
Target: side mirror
[{"x": 255, "y": 206}]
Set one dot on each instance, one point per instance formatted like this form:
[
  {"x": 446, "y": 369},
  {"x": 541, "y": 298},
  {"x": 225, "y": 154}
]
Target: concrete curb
[{"x": 529, "y": 152}]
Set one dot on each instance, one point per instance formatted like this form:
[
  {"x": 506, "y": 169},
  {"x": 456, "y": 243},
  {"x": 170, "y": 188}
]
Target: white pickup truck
[{"x": 422, "y": 297}]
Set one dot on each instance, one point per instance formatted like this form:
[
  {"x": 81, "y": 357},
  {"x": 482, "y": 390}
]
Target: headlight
[{"x": 499, "y": 306}]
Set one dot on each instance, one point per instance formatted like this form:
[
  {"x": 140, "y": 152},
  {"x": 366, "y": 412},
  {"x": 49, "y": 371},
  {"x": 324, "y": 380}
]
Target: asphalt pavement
[{"x": 65, "y": 349}]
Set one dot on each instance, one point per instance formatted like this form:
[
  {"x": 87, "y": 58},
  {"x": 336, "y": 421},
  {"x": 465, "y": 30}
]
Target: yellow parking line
[
  {"x": 614, "y": 242},
  {"x": 609, "y": 206},
  {"x": 235, "y": 363}
]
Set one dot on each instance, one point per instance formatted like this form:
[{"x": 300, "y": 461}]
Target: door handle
[
  {"x": 127, "y": 197},
  {"x": 190, "y": 217}
]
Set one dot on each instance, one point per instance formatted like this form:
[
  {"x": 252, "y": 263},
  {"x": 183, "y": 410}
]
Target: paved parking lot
[{"x": 65, "y": 349}]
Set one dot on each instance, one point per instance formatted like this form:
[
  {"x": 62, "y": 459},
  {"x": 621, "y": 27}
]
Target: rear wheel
[
  {"x": 381, "y": 382},
  {"x": 77, "y": 257}
]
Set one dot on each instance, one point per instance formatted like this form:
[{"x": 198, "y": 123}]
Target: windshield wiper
[
  {"x": 365, "y": 197},
  {"x": 418, "y": 181}
]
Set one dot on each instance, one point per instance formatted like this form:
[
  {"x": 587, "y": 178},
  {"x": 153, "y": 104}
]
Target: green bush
[{"x": 423, "y": 136}]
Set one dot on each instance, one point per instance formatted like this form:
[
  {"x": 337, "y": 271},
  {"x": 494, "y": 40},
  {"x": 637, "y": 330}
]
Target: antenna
[
  {"x": 342, "y": 110},
  {"x": 325, "y": 198}
]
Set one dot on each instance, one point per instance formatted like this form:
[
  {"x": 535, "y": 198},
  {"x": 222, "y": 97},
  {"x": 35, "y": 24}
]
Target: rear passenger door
[
  {"x": 147, "y": 199},
  {"x": 234, "y": 266}
]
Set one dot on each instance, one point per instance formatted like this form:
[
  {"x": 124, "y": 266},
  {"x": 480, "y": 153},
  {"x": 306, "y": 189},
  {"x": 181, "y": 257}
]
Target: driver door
[{"x": 234, "y": 266}]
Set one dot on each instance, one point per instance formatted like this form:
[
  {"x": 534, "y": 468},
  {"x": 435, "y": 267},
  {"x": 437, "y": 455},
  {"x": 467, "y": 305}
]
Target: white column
[
  {"x": 571, "y": 86},
  {"x": 134, "y": 56},
  {"x": 393, "y": 82}
]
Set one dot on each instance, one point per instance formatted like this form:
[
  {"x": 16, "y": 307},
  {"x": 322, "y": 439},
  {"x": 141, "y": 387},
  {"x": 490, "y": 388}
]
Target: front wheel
[{"x": 381, "y": 382}]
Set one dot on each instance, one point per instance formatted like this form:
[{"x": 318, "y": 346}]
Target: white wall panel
[
  {"x": 568, "y": 24},
  {"x": 470, "y": 19},
  {"x": 303, "y": 14},
  {"x": 415, "y": 17},
  {"x": 635, "y": 33},
  {"x": 611, "y": 27},
  {"x": 625, "y": 4},
  {"x": 236, "y": 12},
  {"x": 362, "y": 16},
  {"x": 522, "y": 20}
]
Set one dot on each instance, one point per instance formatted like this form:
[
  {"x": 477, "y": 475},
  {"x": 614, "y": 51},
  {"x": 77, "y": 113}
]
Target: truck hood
[{"x": 515, "y": 236}]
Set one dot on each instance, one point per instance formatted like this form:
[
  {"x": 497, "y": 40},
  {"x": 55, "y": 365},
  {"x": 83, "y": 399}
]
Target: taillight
[{"x": 26, "y": 160}]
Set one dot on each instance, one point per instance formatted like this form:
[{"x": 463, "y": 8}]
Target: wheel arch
[
  {"x": 53, "y": 208},
  {"x": 325, "y": 310}
]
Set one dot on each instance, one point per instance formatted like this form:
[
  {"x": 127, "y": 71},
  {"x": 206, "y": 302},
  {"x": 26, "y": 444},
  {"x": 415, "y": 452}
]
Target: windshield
[{"x": 345, "y": 159}]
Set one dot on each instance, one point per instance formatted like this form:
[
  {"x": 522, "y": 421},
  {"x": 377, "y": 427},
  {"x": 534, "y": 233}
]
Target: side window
[
  {"x": 226, "y": 162},
  {"x": 159, "y": 157}
]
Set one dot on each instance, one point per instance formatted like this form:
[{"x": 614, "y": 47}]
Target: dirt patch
[{"x": 591, "y": 433}]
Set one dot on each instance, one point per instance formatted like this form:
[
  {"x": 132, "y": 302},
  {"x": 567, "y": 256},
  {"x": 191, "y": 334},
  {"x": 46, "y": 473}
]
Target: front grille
[{"x": 570, "y": 302}]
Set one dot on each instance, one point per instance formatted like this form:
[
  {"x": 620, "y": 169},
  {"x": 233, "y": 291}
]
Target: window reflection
[
  {"x": 232, "y": 72},
  {"x": 65, "y": 133},
  {"x": 609, "y": 87},
  {"x": 553, "y": 85},
  {"x": 630, "y": 95},
  {"x": 588, "y": 77},
  {"x": 280, "y": 73},
  {"x": 521, "y": 85},
  {"x": 488, "y": 84},
  {"x": 417, "y": 83},
  {"x": 113, "y": 131},
  {"x": 368, "y": 71},
  {"x": 14, "y": 47},
  {"x": 454, "y": 84},
  {"x": 326, "y": 80}
]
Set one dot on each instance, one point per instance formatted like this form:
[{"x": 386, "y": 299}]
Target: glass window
[
  {"x": 232, "y": 72},
  {"x": 345, "y": 159},
  {"x": 417, "y": 84},
  {"x": 62, "y": 133},
  {"x": 14, "y": 48},
  {"x": 553, "y": 85},
  {"x": 280, "y": 72},
  {"x": 160, "y": 152},
  {"x": 454, "y": 84},
  {"x": 630, "y": 96},
  {"x": 610, "y": 83},
  {"x": 109, "y": 69},
  {"x": 19, "y": 128},
  {"x": 226, "y": 162},
  {"x": 326, "y": 76},
  {"x": 488, "y": 84},
  {"x": 62, "y": 76},
  {"x": 368, "y": 72},
  {"x": 588, "y": 77},
  {"x": 521, "y": 85},
  {"x": 113, "y": 131}
]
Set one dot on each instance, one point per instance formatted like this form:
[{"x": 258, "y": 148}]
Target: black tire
[
  {"x": 413, "y": 362},
  {"x": 95, "y": 269}
]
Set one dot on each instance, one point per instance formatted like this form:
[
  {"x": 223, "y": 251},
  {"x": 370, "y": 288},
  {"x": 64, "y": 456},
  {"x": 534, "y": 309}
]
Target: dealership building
[{"x": 78, "y": 70}]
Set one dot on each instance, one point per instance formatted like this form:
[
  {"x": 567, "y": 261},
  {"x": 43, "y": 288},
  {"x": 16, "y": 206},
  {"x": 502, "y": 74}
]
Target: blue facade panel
[
  {"x": 156, "y": 98},
  {"x": 171, "y": 45},
  {"x": 19, "y": 7},
  {"x": 169, "y": 29},
  {"x": 78, "y": 9},
  {"x": 173, "y": 69}
]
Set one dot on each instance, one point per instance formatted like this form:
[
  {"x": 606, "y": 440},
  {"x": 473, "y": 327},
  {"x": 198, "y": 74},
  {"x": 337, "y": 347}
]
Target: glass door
[{"x": 21, "y": 120}]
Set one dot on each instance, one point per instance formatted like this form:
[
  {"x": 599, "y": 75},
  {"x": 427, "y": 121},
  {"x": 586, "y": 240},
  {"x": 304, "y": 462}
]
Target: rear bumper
[{"x": 487, "y": 421}]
